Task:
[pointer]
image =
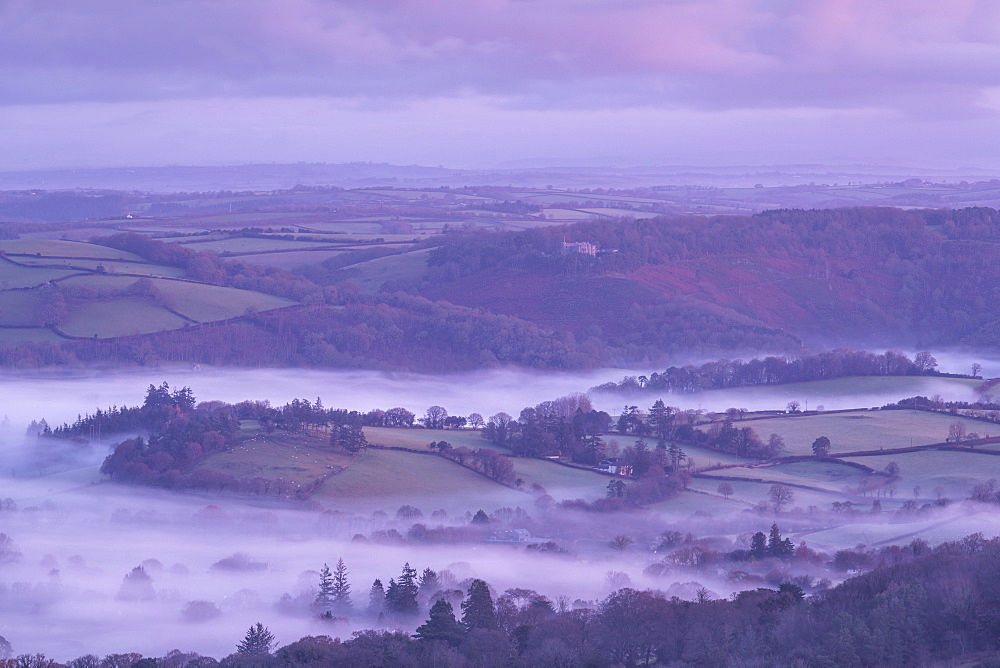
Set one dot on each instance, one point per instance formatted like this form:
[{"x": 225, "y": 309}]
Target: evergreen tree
[
  {"x": 441, "y": 625},
  {"x": 401, "y": 596},
  {"x": 341, "y": 591},
  {"x": 324, "y": 598},
  {"x": 429, "y": 583},
  {"x": 376, "y": 598},
  {"x": 257, "y": 642},
  {"x": 758, "y": 545},
  {"x": 477, "y": 610},
  {"x": 777, "y": 546}
]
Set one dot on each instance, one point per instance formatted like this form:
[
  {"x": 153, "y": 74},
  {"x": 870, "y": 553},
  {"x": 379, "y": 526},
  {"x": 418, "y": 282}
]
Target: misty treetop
[{"x": 917, "y": 606}]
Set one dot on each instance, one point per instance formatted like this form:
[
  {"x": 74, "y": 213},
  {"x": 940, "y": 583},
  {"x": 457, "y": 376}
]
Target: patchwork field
[
  {"x": 860, "y": 430},
  {"x": 197, "y": 301},
  {"x": 13, "y": 276}
]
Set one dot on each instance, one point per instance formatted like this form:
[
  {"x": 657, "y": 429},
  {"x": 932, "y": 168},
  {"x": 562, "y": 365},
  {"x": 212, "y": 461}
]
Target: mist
[{"x": 78, "y": 535}]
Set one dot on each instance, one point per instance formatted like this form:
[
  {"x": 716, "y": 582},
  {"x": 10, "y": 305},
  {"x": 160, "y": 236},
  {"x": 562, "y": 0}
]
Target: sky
[{"x": 485, "y": 83}]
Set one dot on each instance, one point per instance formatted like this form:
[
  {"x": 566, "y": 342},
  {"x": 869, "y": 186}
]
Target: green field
[
  {"x": 20, "y": 308},
  {"x": 830, "y": 476},
  {"x": 561, "y": 482},
  {"x": 294, "y": 457},
  {"x": 291, "y": 259},
  {"x": 198, "y": 301},
  {"x": 417, "y": 439},
  {"x": 751, "y": 493},
  {"x": 118, "y": 317},
  {"x": 620, "y": 213},
  {"x": 15, "y": 276},
  {"x": 36, "y": 334},
  {"x": 238, "y": 245},
  {"x": 64, "y": 249},
  {"x": 860, "y": 430},
  {"x": 954, "y": 472},
  {"x": 690, "y": 502},
  {"x": 387, "y": 479},
  {"x": 371, "y": 275},
  {"x": 110, "y": 266}
]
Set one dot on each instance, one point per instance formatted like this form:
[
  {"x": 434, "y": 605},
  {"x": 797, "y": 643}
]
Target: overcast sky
[{"x": 481, "y": 82}]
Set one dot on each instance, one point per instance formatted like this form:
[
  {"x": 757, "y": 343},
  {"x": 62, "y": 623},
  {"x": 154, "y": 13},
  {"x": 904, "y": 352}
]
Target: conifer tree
[
  {"x": 341, "y": 591},
  {"x": 376, "y": 598},
  {"x": 324, "y": 598},
  {"x": 477, "y": 610},
  {"x": 441, "y": 625},
  {"x": 257, "y": 642},
  {"x": 401, "y": 596}
]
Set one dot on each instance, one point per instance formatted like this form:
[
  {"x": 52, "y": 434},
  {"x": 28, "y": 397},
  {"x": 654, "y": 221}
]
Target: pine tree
[
  {"x": 477, "y": 610},
  {"x": 441, "y": 625},
  {"x": 401, "y": 596},
  {"x": 376, "y": 599},
  {"x": 341, "y": 591},
  {"x": 324, "y": 599},
  {"x": 758, "y": 545},
  {"x": 257, "y": 642}
]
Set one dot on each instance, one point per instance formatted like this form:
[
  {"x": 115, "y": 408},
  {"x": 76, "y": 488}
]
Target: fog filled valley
[
  {"x": 218, "y": 557},
  {"x": 483, "y": 425}
]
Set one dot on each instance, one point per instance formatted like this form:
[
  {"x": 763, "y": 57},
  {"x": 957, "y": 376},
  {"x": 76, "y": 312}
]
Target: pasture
[
  {"x": 55, "y": 247},
  {"x": 954, "y": 473},
  {"x": 20, "y": 308},
  {"x": 295, "y": 457},
  {"x": 417, "y": 439},
  {"x": 407, "y": 267},
  {"x": 561, "y": 482},
  {"x": 16, "y": 276},
  {"x": 198, "y": 301},
  {"x": 291, "y": 259},
  {"x": 34, "y": 334},
  {"x": 387, "y": 479},
  {"x": 237, "y": 245},
  {"x": 109, "y": 266},
  {"x": 860, "y": 430},
  {"x": 751, "y": 493},
  {"x": 118, "y": 317},
  {"x": 830, "y": 476}
]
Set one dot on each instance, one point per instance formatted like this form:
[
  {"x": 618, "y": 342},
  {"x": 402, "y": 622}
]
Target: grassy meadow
[
  {"x": 387, "y": 479},
  {"x": 371, "y": 275},
  {"x": 59, "y": 248},
  {"x": 860, "y": 430},
  {"x": 296, "y": 457}
]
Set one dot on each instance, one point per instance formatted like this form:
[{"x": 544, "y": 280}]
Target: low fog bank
[
  {"x": 218, "y": 565},
  {"x": 61, "y": 399}
]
